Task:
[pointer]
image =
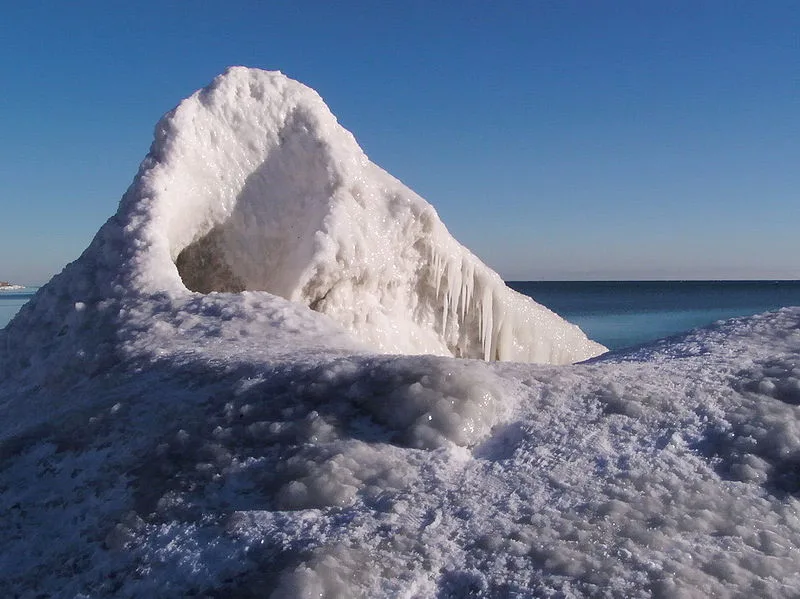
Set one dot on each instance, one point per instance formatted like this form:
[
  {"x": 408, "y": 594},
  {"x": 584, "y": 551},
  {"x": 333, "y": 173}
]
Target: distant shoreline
[{"x": 6, "y": 286}]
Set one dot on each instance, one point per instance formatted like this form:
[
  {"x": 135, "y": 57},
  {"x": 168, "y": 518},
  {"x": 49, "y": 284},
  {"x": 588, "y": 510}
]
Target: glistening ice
[{"x": 218, "y": 398}]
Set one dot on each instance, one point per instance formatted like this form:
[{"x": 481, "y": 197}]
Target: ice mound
[{"x": 251, "y": 184}]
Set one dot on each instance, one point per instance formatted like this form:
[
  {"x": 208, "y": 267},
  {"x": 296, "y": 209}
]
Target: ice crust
[{"x": 158, "y": 442}]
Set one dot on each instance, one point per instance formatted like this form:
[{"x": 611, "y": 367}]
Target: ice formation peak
[
  {"x": 251, "y": 184},
  {"x": 268, "y": 192}
]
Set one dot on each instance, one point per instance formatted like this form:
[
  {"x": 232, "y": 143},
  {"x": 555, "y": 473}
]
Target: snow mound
[
  {"x": 257, "y": 187},
  {"x": 251, "y": 184}
]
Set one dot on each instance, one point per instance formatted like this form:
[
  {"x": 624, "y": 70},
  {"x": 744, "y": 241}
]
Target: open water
[
  {"x": 616, "y": 313},
  {"x": 12, "y": 301},
  {"x": 625, "y": 313}
]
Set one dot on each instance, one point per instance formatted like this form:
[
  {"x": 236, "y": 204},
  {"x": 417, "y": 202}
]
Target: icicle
[
  {"x": 454, "y": 286},
  {"x": 503, "y": 330},
  {"x": 469, "y": 284},
  {"x": 445, "y": 307},
  {"x": 437, "y": 269},
  {"x": 488, "y": 323}
]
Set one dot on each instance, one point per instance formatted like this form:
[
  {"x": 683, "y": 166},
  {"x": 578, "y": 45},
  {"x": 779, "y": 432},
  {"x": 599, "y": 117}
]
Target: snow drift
[{"x": 179, "y": 442}]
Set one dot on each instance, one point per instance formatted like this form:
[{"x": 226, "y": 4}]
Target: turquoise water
[
  {"x": 12, "y": 301},
  {"x": 617, "y": 313},
  {"x": 624, "y": 313}
]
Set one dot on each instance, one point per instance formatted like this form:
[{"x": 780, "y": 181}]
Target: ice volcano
[
  {"x": 177, "y": 422},
  {"x": 251, "y": 184},
  {"x": 268, "y": 192}
]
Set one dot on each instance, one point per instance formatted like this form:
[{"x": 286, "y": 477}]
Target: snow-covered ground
[{"x": 230, "y": 441}]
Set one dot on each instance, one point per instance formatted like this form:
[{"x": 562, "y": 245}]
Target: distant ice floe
[{"x": 183, "y": 424}]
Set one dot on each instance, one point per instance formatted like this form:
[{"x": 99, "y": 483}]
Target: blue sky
[{"x": 560, "y": 139}]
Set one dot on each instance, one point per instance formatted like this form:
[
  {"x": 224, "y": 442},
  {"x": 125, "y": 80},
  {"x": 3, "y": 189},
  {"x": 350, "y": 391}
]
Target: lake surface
[
  {"x": 12, "y": 301},
  {"x": 624, "y": 313},
  {"x": 616, "y": 313}
]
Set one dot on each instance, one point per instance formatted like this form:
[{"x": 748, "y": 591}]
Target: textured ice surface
[
  {"x": 252, "y": 184},
  {"x": 157, "y": 442}
]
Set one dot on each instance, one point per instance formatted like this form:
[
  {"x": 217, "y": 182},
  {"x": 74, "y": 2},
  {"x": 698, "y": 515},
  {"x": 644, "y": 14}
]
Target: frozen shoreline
[{"x": 230, "y": 442}]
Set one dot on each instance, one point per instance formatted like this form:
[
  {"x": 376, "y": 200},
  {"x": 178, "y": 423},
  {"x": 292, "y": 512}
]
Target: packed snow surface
[{"x": 162, "y": 440}]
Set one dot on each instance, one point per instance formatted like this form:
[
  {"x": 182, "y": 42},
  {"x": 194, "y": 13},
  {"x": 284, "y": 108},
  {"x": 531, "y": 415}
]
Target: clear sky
[{"x": 557, "y": 139}]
